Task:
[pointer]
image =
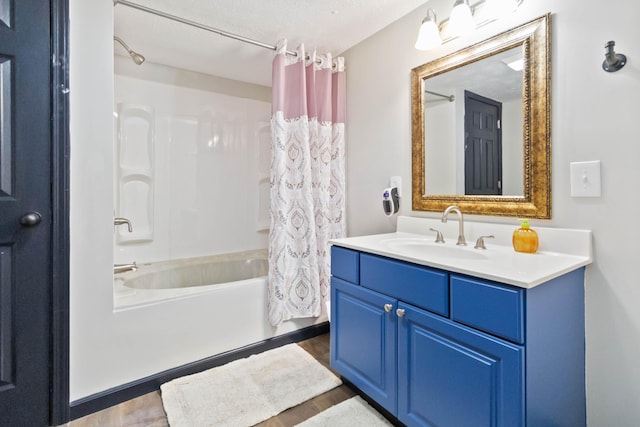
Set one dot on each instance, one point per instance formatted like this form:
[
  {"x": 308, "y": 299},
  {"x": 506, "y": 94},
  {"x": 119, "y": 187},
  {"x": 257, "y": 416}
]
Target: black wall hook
[{"x": 613, "y": 61}]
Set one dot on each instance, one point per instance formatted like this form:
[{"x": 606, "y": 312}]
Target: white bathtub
[
  {"x": 151, "y": 331},
  {"x": 155, "y": 282}
]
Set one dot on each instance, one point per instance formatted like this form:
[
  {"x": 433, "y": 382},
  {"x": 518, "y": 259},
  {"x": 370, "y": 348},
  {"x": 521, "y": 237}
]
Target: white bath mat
[
  {"x": 350, "y": 413},
  {"x": 246, "y": 391}
]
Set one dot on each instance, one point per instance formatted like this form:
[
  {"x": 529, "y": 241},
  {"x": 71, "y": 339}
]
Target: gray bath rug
[
  {"x": 246, "y": 391},
  {"x": 350, "y": 413}
]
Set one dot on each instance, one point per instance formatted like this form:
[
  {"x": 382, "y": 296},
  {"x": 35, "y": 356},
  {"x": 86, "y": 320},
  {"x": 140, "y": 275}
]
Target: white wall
[
  {"x": 210, "y": 156},
  {"x": 108, "y": 348},
  {"x": 593, "y": 118}
]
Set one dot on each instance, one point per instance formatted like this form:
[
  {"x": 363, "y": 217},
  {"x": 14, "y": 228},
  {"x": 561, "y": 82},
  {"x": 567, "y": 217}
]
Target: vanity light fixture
[
  {"x": 464, "y": 18},
  {"x": 429, "y": 34},
  {"x": 461, "y": 19}
]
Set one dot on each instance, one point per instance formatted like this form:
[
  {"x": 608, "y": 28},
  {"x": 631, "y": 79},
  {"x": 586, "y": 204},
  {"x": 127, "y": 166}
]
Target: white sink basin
[{"x": 428, "y": 248}]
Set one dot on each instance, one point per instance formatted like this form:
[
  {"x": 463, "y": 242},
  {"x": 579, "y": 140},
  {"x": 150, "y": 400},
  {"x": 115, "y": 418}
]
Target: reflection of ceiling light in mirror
[
  {"x": 515, "y": 61},
  {"x": 461, "y": 19},
  {"x": 429, "y": 35},
  {"x": 516, "y": 65}
]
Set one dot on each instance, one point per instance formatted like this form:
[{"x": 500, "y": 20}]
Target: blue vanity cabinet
[
  {"x": 363, "y": 340},
  {"x": 451, "y": 375},
  {"x": 441, "y": 349}
]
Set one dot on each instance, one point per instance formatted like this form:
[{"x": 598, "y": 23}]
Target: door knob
[
  {"x": 30, "y": 219},
  {"x": 388, "y": 307},
  {"x": 400, "y": 312}
]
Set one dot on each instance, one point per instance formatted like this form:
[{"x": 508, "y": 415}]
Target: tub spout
[{"x": 121, "y": 268}]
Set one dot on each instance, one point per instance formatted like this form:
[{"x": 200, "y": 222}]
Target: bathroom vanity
[{"x": 443, "y": 335}]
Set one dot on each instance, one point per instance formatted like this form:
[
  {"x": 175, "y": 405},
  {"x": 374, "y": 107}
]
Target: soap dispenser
[{"x": 525, "y": 239}]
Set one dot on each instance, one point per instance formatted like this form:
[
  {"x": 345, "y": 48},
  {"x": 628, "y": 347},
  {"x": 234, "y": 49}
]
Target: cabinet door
[
  {"x": 363, "y": 340},
  {"x": 450, "y": 375}
]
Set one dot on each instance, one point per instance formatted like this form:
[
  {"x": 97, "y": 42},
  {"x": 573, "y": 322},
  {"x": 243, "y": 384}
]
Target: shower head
[{"x": 137, "y": 58}]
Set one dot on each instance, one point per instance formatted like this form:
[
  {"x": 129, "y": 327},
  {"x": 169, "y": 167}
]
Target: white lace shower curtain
[{"x": 307, "y": 181}]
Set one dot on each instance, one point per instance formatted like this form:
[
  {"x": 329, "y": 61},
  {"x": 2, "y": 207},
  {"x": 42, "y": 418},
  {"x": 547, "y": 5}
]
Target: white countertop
[{"x": 560, "y": 250}]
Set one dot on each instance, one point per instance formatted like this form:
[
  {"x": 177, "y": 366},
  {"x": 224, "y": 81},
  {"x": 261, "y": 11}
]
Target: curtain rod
[
  {"x": 449, "y": 97},
  {"x": 201, "y": 26}
]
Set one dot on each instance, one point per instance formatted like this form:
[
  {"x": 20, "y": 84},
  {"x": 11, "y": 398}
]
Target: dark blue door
[
  {"x": 25, "y": 212},
  {"x": 453, "y": 376},
  {"x": 482, "y": 145}
]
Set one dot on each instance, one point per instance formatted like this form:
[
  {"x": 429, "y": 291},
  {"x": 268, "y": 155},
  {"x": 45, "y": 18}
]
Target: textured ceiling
[{"x": 326, "y": 25}]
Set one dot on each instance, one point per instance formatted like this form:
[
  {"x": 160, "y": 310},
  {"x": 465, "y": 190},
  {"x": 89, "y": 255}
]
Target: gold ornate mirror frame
[{"x": 535, "y": 202}]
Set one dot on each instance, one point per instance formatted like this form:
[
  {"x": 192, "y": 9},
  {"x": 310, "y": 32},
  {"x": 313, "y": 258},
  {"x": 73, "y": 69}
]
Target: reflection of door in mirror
[
  {"x": 444, "y": 125},
  {"x": 482, "y": 145}
]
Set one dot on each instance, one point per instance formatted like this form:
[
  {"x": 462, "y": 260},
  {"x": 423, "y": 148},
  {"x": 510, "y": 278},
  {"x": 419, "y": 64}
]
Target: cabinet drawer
[
  {"x": 421, "y": 286},
  {"x": 345, "y": 264},
  {"x": 493, "y": 308}
]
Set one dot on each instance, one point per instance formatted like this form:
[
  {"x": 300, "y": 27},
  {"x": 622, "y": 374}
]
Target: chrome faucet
[
  {"x": 461, "y": 240},
  {"x": 120, "y": 221}
]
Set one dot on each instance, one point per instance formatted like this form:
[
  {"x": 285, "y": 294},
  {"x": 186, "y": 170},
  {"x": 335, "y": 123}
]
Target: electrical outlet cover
[{"x": 396, "y": 181}]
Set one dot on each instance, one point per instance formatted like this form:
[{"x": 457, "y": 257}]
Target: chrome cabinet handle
[
  {"x": 30, "y": 219},
  {"x": 400, "y": 312},
  {"x": 388, "y": 307}
]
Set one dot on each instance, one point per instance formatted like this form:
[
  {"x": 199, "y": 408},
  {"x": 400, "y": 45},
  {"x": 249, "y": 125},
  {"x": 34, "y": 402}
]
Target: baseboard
[{"x": 117, "y": 395}]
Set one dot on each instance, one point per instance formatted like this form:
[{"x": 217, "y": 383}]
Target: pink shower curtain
[{"x": 307, "y": 181}]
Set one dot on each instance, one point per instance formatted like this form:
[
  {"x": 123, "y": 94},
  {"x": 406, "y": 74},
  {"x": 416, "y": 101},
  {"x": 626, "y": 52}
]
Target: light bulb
[
  {"x": 461, "y": 19},
  {"x": 428, "y": 36}
]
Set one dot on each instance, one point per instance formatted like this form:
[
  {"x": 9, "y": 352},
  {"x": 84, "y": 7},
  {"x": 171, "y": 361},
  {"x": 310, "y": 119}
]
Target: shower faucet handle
[{"x": 121, "y": 221}]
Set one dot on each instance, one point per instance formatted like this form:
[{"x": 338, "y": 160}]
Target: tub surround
[
  {"x": 177, "y": 133},
  {"x": 560, "y": 250}
]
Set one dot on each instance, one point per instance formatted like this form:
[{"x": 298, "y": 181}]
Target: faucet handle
[
  {"x": 439, "y": 238},
  {"x": 121, "y": 221},
  {"x": 480, "y": 242}
]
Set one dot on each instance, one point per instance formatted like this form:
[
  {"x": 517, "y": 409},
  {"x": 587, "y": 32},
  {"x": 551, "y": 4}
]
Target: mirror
[
  {"x": 489, "y": 162},
  {"x": 481, "y": 130}
]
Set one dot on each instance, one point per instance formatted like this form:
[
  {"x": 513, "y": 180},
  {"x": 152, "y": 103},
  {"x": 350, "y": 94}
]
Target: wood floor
[{"x": 147, "y": 410}]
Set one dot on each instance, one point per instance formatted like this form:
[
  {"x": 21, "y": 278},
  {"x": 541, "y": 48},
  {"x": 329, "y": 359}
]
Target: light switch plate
[{"x": 585, "y": 179}]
